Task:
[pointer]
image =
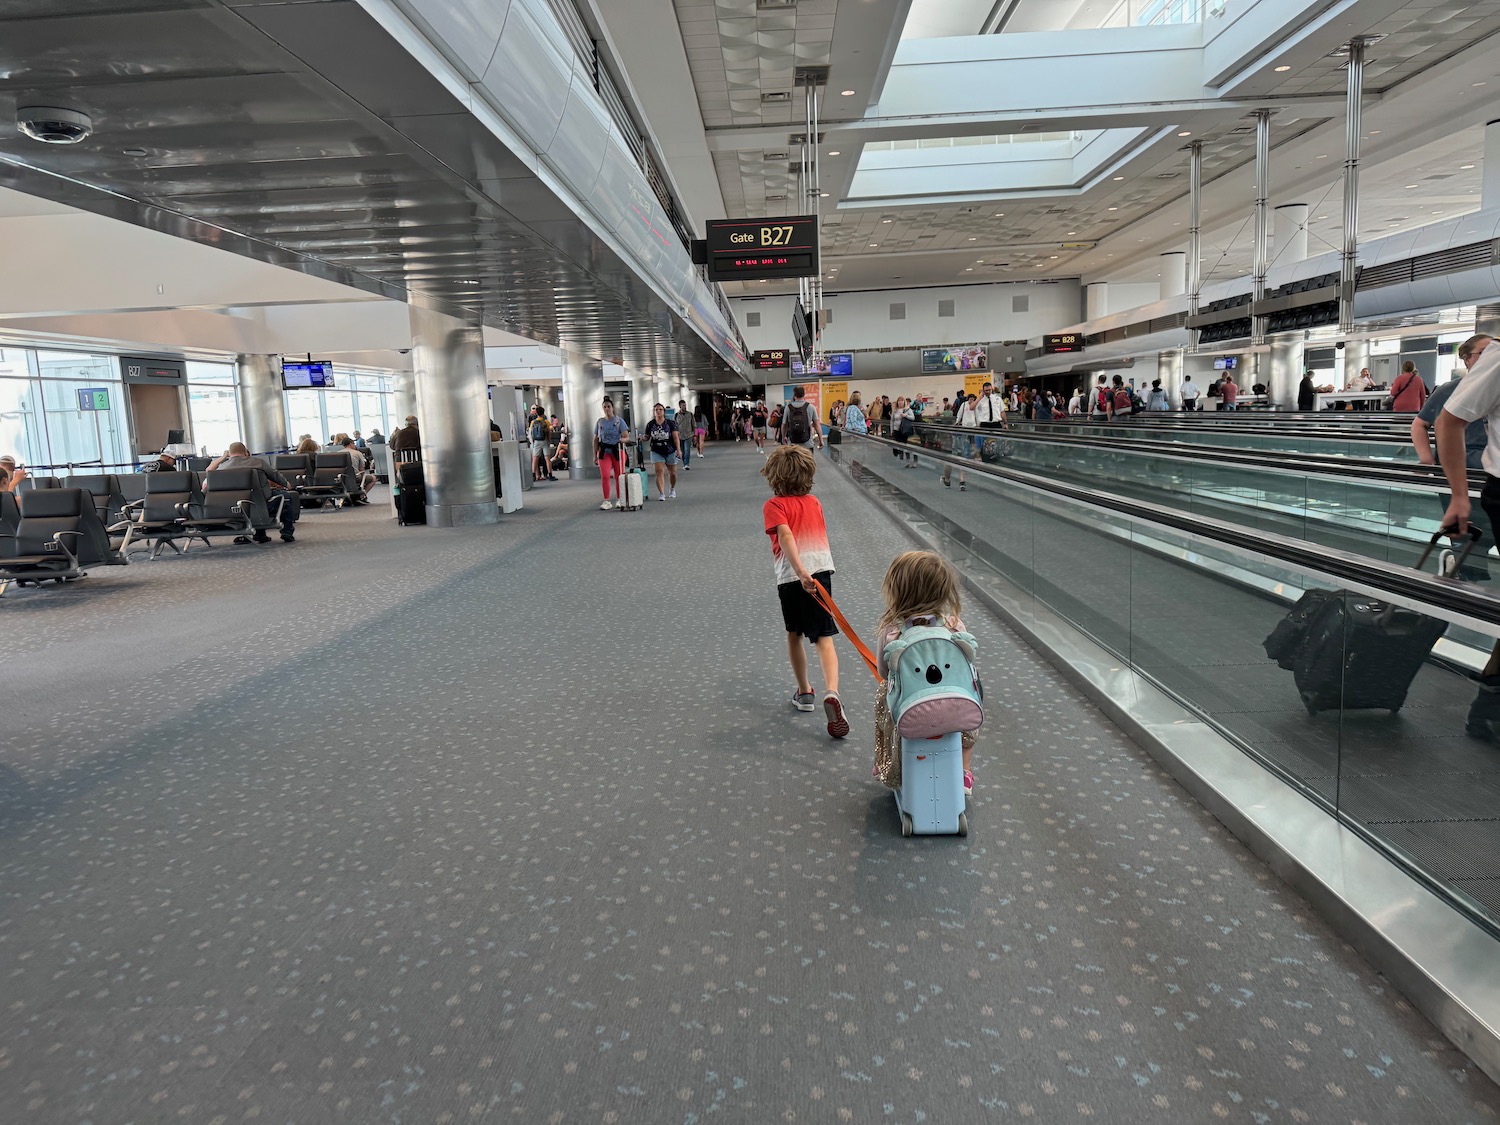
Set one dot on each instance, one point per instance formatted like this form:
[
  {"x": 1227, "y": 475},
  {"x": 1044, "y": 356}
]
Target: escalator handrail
[
  {"x": 1455, "y": 600},
  {"x": 1363, "y": 470}
]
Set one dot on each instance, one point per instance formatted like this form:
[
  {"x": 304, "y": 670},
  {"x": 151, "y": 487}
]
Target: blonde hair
[
  {"x": 308, "y": 444},
  {"x": 789, "y": 470},
  {"x": 918, "y": 583}
]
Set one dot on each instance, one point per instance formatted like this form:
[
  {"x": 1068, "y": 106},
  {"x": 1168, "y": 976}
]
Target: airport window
[{"x": 212, "y": 409}]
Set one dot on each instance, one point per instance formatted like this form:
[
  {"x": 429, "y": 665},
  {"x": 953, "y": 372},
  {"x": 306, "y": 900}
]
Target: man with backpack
[
  {"x": 799, "y": 424},
  {"x": 1121, "y": 401}
]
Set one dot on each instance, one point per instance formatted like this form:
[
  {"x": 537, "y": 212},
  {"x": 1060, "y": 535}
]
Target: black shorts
[{"x": 801, "y": 614}]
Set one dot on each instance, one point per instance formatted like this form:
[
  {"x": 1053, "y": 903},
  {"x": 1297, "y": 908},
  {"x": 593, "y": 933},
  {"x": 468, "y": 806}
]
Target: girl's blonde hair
[
  {"x": 918, "y": 583},
  {"x": 789, "y": 470}
]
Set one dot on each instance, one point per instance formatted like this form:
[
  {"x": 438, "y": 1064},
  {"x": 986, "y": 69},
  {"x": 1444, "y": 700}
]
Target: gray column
[
  {"x": 1286, "y": 371},
  {"x": 1195, "y": 235},
  {"x": 1262, "y": 217},
  {"x": 1173, "y": 273},
  {"x": 1291, "y": 233},
  {"x": 403, "y": 398},
  {"x": 453, "y": 411},
  {"x": 583, "y": 398},
  {"x": 1169, "y": 371},
  {"x": 1356, "y": 355},
  {"x": 1489, "y": 171},
  {"x": 1096, "y": 300},
  {"x": 1348, "y": 261},
  {"x": 641, "y": 390},
  {"x": 262, "y": 408}
]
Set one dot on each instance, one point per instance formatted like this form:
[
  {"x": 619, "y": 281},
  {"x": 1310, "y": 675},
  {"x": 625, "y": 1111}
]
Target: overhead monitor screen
[
  {"x": 942, "y": 361},
  {"x": 762, "y": 248},
  {"x": 1226, "y": 363},
  {"x": 306, "y": 373}
]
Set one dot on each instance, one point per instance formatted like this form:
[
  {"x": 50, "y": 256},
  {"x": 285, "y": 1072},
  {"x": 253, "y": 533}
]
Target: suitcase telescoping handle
[{"x": 1475, "y": 535}]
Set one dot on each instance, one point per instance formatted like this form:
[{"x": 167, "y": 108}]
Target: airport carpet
[{"x": 408, "y": 825}]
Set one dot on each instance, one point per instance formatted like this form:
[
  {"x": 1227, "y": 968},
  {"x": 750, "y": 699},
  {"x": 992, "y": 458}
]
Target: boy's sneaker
[
  {"x": 802, "y": 700},
  {"x": 606, "y": 506},
  {"x": 833, "y": 707},
  {"x": 968, "y": 783}
]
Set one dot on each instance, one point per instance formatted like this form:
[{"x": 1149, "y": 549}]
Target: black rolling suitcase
[
  {"x": 1352, "y": 652},
  {"x": 410, "y": 494}
]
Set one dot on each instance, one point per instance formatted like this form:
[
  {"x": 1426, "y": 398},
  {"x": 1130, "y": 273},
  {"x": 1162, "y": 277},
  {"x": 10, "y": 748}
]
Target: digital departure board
[
  {"x": 771, "y": 359},
  {"x": 740, "y": 249},
  {"x": 306, "y": 373},
  {"x": 1059, "y": 343}
]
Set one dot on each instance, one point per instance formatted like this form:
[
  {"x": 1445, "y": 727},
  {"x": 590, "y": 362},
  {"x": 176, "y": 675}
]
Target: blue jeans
[{"x": 687, "y": 453}]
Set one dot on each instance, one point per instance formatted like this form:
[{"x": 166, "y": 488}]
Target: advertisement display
[
  {"x": 833, "y": 363},
  {"x": 834, "y": 392},
  {"x": 973, "y": 384},
  {"x": 941, "y": 361}
]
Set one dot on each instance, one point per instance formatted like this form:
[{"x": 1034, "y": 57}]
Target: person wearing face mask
[{"x": 665, "y": 442}]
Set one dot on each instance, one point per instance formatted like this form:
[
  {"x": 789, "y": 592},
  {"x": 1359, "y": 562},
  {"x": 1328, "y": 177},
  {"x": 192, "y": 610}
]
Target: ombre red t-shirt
[{"x": 804, "y": 516}]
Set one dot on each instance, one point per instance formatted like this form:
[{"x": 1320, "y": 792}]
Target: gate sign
[
  {"x": 93, "y": 398},
  {"x": 740, "y": 249}
]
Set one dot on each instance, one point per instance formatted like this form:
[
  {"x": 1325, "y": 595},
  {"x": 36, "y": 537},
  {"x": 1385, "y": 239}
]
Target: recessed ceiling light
[
  {"x": 1053, "y": 256},
  {"x": 973, "y": 239},
  {"x": 1374, "y": 131},
  {"x": 1322, "y": 156},
  {"x": 132, "y": 152},
  {"x": 1410, "y": 186},
  {"x": 823, "y": 194},
  {"x": 1465, "y": 167},
  {"x": 834, "y": 152},
  {"x": 1475, "y": 85},
  {"x": 1185, "y": 133},
  {"x": 1118, "y": 178},
  {"x": 968, "y": 269},
  {"x": 885, "y": 220},
  {"x": 872, "y": 245},
  {"x": 1282, "y": 69},
  {"x": 1071, "y": 233},
  {"x": 979, "y": 261},
  {"x": 847, "y": 93},
  {"x": 1114, "y": 208},
  {"x": 1322, "y": 216}
]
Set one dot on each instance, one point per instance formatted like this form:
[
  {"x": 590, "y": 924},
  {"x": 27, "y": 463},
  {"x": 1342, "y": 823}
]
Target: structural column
[
  {"x": 1169, "y": 371},
  {"x": 1096, "y": 300},
  {"x": 1195, "y": 235},
  {"x": 453, "y": 411},
  {"x": 262, "y": 411},
  {"x": 1291, "y": 233},
  {"x": 1355, "y": 97},
  {"x": 1356, "y": 356},
  {"x": 1286, "y": 370},
  {"x": 1262, "y": 218},
  {"x": 1173, "y": 274},
  {"x": 403, "y": 398},
  {"x": 641, "y": 390},
  {"x": 583, "y": 406}
]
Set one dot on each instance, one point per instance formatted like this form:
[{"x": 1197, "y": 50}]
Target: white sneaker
[
  {"x": 606, "y": 506},
  {"x": 673, "y": 494},
  {"x": 660, "y": 497}
]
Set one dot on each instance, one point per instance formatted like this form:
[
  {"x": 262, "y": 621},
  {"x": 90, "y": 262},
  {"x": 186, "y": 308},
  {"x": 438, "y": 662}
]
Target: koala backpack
[{"x": 932, "y": 687}]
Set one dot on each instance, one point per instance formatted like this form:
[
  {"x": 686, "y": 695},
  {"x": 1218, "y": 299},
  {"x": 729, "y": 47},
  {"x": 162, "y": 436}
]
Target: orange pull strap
[{"x": 825, "y": 599}]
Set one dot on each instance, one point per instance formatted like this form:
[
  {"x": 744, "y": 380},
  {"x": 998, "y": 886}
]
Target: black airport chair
[
  {"x": 159, "y": 516},
  {"x": 332, "y": 478},
  {"x": 232, "y": 502},
  {"x": 105, "y": 488},
  {"x": 10, "y": 513},
  {"x": 57, "y": 535}
]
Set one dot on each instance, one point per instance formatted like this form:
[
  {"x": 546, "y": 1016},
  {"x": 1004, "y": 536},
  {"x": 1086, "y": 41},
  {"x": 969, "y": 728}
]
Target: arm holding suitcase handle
[{"x": 1472, "y": 533}]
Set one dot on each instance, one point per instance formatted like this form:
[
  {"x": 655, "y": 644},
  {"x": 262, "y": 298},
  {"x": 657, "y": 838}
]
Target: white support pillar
[
  {"x": 453, "y": 409},
  {"x": 403, "y": 398},
  {"x": 1173, "y": 273},
  {"x": 1356, "y": 357},
  {"x": 583, "y": 405},
  {"x": 1286, "y": 371},
  {"x": 1169, "y": 371},
  {"x": 1096, "y": 300},
  {"x": 1489, "y": 181},
  {"x": 261, "y": 402}
]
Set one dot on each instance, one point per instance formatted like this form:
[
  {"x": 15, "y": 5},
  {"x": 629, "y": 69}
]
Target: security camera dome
[{"x": 54, "y": 126}]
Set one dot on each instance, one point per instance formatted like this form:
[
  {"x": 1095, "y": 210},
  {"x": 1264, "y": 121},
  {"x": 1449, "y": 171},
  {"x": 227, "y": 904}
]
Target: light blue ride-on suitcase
[{"x": 934, "y": 694}]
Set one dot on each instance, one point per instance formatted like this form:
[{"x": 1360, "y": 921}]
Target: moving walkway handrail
[
  {"x": 1458, "y": 601},
  {"x": 1411, "y": 474},
  {"x": 1393, "y": 435}
]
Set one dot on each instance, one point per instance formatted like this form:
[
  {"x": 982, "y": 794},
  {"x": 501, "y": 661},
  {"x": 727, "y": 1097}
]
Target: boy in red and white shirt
[{"x": 799, "y": 546}]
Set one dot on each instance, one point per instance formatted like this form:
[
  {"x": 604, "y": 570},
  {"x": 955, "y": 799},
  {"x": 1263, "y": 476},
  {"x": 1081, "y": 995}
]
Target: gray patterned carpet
[{"x": 511, "y": 824}]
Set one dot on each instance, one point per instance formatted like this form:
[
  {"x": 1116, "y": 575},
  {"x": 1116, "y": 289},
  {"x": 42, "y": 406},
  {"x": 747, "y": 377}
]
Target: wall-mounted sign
[
  {"x": 771, "y": 359},
  {"x": 1060, "y": 343},
  {"x": 135, "y": 369},
  {"x": 93, "y": 398},
  {"x": 940, "y": 361},
  {"x": 757, "y": 248}
]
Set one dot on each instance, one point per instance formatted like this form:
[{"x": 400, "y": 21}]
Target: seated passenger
[
  {"x": 363, "y": 477},
  {"x": 308, "y": 444},
  {"x": 239, "y": 457},
  {"x": 164, "y": 463},
  {"x": 14, "y": 474}
]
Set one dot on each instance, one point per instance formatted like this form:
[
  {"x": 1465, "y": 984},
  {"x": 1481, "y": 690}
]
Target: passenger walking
[
  {"x": 1476, "y": 437},
  {"x": 1099, "y": 404},
  {"x": 920, "y": 589},
  {"x": 1408, "y": 392},
  {"x": 665, "y": 442},
  {"x": 1189, "y": 393},
  {"x": 903, "y": 429},
  {"x": 799, "y": 423},
  {"x": 684, "y": 422},
  {"x": 854, "y": 416},
  {"x": 1157, "y": 399},
  {"x": 793, "y": 519},
  {"x": 758, "y": 418},
  {"x": 700, "y": 429},
  {"x": 541, "y": 453},
  {"x": 1121, "y": 402},
  {"x": 990, "y": 408},
  {"x": 610, "y": 435}
]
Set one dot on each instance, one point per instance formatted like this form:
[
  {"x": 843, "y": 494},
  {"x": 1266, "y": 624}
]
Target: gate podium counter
[{"x": 1335, "y": 399}]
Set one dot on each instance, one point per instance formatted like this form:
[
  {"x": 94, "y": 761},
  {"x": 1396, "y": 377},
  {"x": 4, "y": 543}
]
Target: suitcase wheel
[
  {"x": 963, "y": 824},
  {"x": 906, "y": 825}
]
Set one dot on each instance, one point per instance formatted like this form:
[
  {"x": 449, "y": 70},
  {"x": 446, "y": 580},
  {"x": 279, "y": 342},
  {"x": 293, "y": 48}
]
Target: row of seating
[
  {"x": 320, "y": 478},
  {"x": 52, "y": 535}
]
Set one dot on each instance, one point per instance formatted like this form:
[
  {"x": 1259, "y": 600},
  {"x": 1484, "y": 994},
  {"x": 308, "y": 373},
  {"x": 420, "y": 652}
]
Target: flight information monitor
[
  {"x": 771, "y": 359},
  {"x": 1060, "y": 343},
  {"x": 306, "y": 373},
  {"x": 751, "y": 249}
]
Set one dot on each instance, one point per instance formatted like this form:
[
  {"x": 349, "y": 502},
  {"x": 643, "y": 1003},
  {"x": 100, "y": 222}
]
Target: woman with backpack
[
  {"x": 1158, "y": 397},
  {"x": 541, "y": 456}
]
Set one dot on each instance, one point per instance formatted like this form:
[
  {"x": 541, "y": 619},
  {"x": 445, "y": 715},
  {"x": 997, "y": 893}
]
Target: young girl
[{"x": 920, "y": 588}]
